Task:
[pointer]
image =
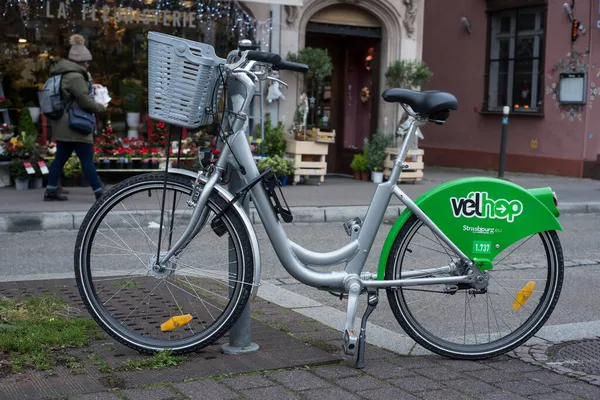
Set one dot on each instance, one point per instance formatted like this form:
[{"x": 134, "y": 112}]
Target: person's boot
[
  {"x": 54, "y": 195},
  {"x": 99, "y": 193}
]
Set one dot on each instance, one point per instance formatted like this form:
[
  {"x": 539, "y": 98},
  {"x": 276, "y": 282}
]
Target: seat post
[{"x": 396, "y": 171}]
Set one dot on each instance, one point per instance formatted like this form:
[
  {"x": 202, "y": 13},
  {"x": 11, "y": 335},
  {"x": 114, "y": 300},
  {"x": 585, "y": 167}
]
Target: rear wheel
[
  {"x": 462, "y": 322},
  {"x": 183, "y": 306}
]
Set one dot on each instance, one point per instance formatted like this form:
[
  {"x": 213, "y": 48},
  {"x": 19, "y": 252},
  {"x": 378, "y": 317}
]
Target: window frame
[{"x": 492, "y": 13}]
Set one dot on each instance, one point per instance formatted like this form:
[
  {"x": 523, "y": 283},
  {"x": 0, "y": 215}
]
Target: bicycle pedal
[{"x": 350, "y": 342}]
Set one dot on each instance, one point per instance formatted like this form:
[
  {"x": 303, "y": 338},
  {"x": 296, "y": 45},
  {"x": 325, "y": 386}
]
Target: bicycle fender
[
  {"x": 245, "y": 220},
  {"x": 482, "y": 216}
]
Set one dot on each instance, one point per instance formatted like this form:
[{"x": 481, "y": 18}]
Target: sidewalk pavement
[
  {"x": 299, "y": 358},
  {"x": 336, "y": 200}
]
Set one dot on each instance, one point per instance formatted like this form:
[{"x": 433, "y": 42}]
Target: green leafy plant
[
  {"x": 359, "y": 163},
  {"x": 274, "y": 143},
  {"x": 26, "y": 124},
  {"x": 375, "y": 151},
  {"x": 319, "y": 64},
  {"x": 407, "y": 74},
  {"x": 17, "y": 170},
  {"x": 131, "y": 94},
  {"x": 280, "y": 166},
  {"x": 72, "y": 167}
]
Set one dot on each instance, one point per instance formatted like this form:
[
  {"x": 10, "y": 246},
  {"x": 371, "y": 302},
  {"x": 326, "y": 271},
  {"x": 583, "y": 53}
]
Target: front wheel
[
  {"x": 460, "y": 322},
  {"x": 182, "y": 306}
]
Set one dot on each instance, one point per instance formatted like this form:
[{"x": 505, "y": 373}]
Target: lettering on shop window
[{"x": 125, "y": 14}]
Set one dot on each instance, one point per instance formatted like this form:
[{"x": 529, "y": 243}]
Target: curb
[{"x": 44, "y": 221}]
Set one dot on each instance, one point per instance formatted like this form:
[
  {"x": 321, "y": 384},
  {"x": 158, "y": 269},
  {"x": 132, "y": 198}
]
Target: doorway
[{"x": 349, "y": 101}]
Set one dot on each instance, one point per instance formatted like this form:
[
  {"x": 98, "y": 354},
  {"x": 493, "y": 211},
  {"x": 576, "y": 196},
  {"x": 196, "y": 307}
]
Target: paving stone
[
  {"x": 501, "y": 396},
  {"x": 209, "y": 389},
  {"x": 384, "y": 369},
  {"x": 463, "y": 365},
  {"x": 387, "y": 393},
  {"x": 446, "y": 394},
  {"x": 415, "y": 384},
  {"x": 470, "y": 386},
  {"x": 355, "y": 384},
  {"x": 494, "y": 375},
  {"x": 582, "y": 389},
  {"x": 525, "y": 387},
  {"x": 335, "y": 372},
  {"x": 333, "y": 393},
  {"x": 299, "y": 380},
  {"x": 98, "y": 396},
  {"x": 514, "y": 366},
  {"x": 244, "y": 382},
  {"x": 415, "y": 361},
  {"x": 555, "y": 396},
  {"x": 439, "y": 373},
  {"x": 549, "y": 378},
  {"x": 154, "y": 393},
  {"x": 271, "y": 393}
]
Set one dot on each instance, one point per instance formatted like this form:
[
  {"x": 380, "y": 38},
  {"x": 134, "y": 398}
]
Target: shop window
[{"x": 515, "y": 60}]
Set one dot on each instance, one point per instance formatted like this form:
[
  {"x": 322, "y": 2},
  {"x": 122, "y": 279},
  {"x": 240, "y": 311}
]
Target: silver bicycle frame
[{"x": 294, "y": 258}]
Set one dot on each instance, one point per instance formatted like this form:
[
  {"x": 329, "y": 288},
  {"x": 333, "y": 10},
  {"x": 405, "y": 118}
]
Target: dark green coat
[{"x": 74, "y": 87}]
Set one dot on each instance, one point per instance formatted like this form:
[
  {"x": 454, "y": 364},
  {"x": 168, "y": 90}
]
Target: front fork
[{"x": 197, "y": 220}]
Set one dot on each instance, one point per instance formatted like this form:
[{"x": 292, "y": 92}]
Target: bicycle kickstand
[{"x": 372, "y": 303}]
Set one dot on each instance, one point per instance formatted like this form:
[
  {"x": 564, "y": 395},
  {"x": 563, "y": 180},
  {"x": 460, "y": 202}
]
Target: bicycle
[{"x": 473, "y": 220}]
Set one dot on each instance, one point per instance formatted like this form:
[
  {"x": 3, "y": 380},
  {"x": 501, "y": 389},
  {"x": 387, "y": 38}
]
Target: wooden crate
[
  {"x": 325, "y": 137},
  {"x": 310, "y": 159},
  {"x": 414, "y": 159}
]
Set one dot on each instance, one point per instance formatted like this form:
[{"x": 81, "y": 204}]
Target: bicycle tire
[
  {"x": 473, "y": 352},
  {"x": 107, "y": 322}
]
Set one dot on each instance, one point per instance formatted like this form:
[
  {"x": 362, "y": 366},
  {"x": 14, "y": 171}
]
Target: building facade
[
  {"x": 361, "y": 36},
  {"x": 539, "y": 58}
]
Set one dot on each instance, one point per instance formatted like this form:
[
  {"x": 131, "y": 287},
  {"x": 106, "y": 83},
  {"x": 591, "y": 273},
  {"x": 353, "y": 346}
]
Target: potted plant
[
  {"x": 38, "y": 179},
  {"x": 358, "y": 165},
  {"x": 6, "y": 131},
  {"x": 375, "y": 155},
  {"x": 19, "y": 174},
  {"x": 131, "y": 93},
  {"x": 26, "y": 124},
  {"x": 69, "y": 171},
  {"x": 280, "y": 166},
  {"x": 320, "y": 68},
  {"x": 5, "y": 103},
  {"x": 34, "y": 111}
]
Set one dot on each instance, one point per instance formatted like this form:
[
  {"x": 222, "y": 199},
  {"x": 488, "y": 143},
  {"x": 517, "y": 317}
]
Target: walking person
[{"x": 76, "y": 88}]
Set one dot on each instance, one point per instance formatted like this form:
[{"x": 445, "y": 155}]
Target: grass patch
[
  {"x": 160, "y": 360},
  {"x": 32, "y": 330},
  {"x": 124, "y": 284}
]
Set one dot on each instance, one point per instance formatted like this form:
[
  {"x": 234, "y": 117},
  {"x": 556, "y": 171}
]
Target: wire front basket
[{"x": 183, "y": 81}]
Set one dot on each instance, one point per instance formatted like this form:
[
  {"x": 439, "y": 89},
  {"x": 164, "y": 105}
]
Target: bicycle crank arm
[
  {"x": 353, "y": 287},
  {"x": 389, "y": 284}
]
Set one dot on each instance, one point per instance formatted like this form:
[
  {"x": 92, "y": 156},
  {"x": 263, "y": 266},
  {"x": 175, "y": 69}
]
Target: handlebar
[
  {"x": 291, "y": 66},
  {"x": 275, "y": 60}
]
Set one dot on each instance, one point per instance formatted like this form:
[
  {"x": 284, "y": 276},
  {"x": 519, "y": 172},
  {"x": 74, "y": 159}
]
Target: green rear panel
[{"x": 482, "y": 216}]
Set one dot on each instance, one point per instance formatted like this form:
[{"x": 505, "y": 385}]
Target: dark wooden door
[{"x": 352, "y": 119}]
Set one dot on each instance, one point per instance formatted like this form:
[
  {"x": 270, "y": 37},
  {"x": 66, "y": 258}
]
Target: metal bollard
[
  {"x": 505, "y": 112},
  {"x": 239, "y": 334}
]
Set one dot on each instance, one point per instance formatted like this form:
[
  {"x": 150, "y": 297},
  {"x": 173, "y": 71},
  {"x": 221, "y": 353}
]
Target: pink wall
[{"x": 458, "y": 62}]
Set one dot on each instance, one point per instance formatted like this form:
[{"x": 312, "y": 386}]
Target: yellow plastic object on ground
[
  {"x": 523, "y": 295},
  {"x": 175, "y": 322}
]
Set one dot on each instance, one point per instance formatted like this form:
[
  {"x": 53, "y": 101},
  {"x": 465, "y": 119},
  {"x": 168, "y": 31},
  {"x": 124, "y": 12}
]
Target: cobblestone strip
[
  {"x": 538, "y": 354},
  {"x": 386, "y": 375}
]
